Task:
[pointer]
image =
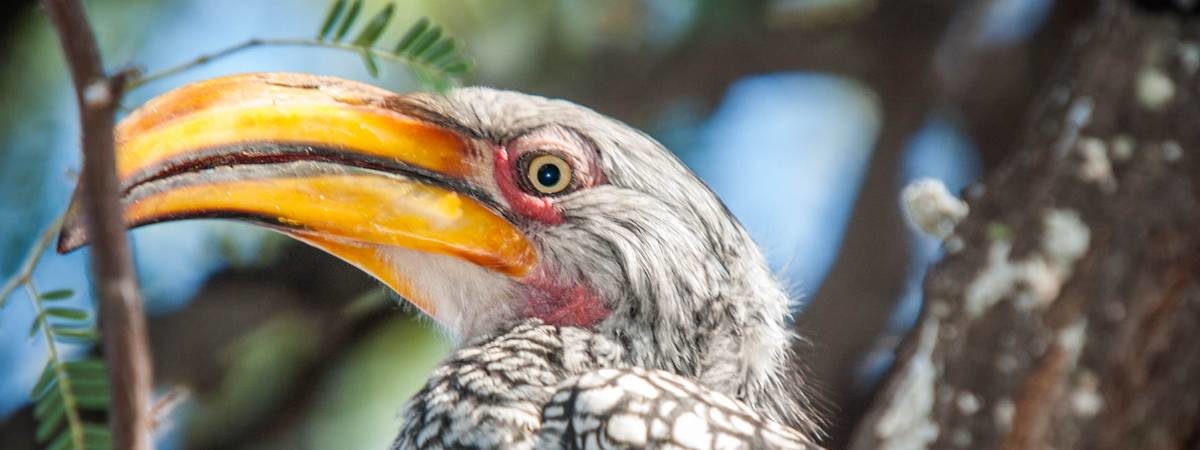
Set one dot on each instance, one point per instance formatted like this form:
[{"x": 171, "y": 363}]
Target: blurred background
[{"x": 806, "y": 116}]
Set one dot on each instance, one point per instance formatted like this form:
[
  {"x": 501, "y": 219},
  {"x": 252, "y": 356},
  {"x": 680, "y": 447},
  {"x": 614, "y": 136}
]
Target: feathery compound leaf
[
  {"x": 63, "y": 388},
  {"x": 375, "y": 27},
  {"x": 58, "y": 294},
  {"x": 434, "y": 58},
  {"x": 348, "y": 21},
  {"x": 335, "y": 13}
]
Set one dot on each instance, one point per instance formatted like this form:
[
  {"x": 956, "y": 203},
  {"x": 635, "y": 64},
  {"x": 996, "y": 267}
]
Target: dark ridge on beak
[
  {"x": 267, "y": 153},
  {"x": 271, "y": 159}
]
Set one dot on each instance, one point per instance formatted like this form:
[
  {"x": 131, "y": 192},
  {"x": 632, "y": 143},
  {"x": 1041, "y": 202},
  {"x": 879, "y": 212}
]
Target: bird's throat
[{"x": 564, "y": 304}]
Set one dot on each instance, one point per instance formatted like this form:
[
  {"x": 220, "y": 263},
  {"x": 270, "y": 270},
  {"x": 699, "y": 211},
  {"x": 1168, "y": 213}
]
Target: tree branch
[
  {"x": 139, "y": 81},
  {"x": 1075, "y": 326},
  {"x": 122, "y": 322}
]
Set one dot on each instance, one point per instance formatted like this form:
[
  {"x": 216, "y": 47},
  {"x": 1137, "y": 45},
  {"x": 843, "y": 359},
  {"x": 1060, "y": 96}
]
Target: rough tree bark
[
  {"x": 1068, "y": 316},
  {"x": 121, "y": 320}
]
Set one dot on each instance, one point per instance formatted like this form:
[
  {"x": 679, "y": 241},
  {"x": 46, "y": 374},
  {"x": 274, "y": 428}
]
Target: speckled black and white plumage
[
  {"x": 489, "y": 394},
  {"x": 545, "y": 387},
  {"x": 636, "y": 408}
]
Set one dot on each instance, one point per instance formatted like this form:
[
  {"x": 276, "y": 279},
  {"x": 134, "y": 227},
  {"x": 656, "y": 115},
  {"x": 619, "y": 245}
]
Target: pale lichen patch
[
  {"x": 1086, "y": 400},
  {"x": 1096, "y": 167},
  {"x": 1189, "y": 57},
  {"x": 1071, "y": 340},
  {"x": 954, "y": 244},
  {"x": 907, "y": 423},
  {"x": 1003, "y": 413},
  {"x": 961, "y": 438},
  {"x": 1154, "y": 88},
  {"x": 1065, "y": 237},
  {"x": 931, "y": 207},
  {"x": 996, "y": 280},
  {"x": 1007, "y": 363},
  {"x": 98, "y": 94},
  {"x": 1064, "y": 240},
  {"x": 967, "y": 403},
  {"x": 1172, "y": 151},
  {"x": 1122, "y": 147}
]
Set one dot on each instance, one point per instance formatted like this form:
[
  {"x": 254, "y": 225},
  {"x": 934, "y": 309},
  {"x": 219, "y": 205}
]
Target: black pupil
[{"x": 548, "y": 175}]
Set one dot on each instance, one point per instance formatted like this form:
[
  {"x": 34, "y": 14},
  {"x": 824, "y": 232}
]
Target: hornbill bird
[{"x": 604, "y": 295}]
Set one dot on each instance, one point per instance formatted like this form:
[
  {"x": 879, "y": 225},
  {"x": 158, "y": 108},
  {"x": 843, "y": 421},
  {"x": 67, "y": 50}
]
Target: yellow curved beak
[{"x": 330, "y": 162}]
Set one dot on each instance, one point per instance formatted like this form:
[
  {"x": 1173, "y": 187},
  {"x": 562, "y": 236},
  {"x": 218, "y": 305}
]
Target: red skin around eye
[
  {"x": 549, "y": 299},
  {"x": 537, "y": 208}
]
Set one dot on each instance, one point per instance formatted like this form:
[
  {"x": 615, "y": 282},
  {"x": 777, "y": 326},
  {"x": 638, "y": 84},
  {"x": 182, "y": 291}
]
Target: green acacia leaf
[
  {"x": 335, "y": 12},
  {"x": 61, "y": 442},
  {"x": 35, "y": 326},
  {"x": 76, "y": 334},
  {"x": 458, "y": 68},
  {"x": 49, "y": 421},
  {"x": 67, "y": 313},
  {"x": 89, "y": 386},
  {"x": 369, "y": 62},
  {"x": 97, "y": 402},
  {"x": 375, "y": 27},
  {"x": 438, "y": 51},
  {"x": 431, "y": 79},
  {"x": 44, "y": 381},
  {"x": 424, "y": 41},
  {"x": 47, "y": 403},
  {"x": 86, "y": 367},
  {"x": 96, "y": 437},
  {"x": 348, "y": 21},
  {"x": 96, "y": 431},
  {"x": 57, "y": 294},
  {"x": 410, "y": 36}
]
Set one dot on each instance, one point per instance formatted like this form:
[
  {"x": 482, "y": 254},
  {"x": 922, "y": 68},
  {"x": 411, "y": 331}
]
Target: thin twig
[
  {"x": 25, "y": 272},
  {"x": 74, "y": 423},
  {"x": 121, "y": 321},
  {"x": 201, "y": 60},
  {"x": 166, "y": 404}
]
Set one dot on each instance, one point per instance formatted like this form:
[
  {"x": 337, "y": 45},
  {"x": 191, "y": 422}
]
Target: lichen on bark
[{"x": 1084, "y": 334}]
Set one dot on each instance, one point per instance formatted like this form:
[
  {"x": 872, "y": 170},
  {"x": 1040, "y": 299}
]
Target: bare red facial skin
[
  {"x": 574, "y": 304},
  {"x": 548, "y": 297},
  {"x": 534, "y": 207}
]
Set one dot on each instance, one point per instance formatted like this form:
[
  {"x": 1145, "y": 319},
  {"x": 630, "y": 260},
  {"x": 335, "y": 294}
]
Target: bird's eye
[{"x": 548, "y": 174}]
